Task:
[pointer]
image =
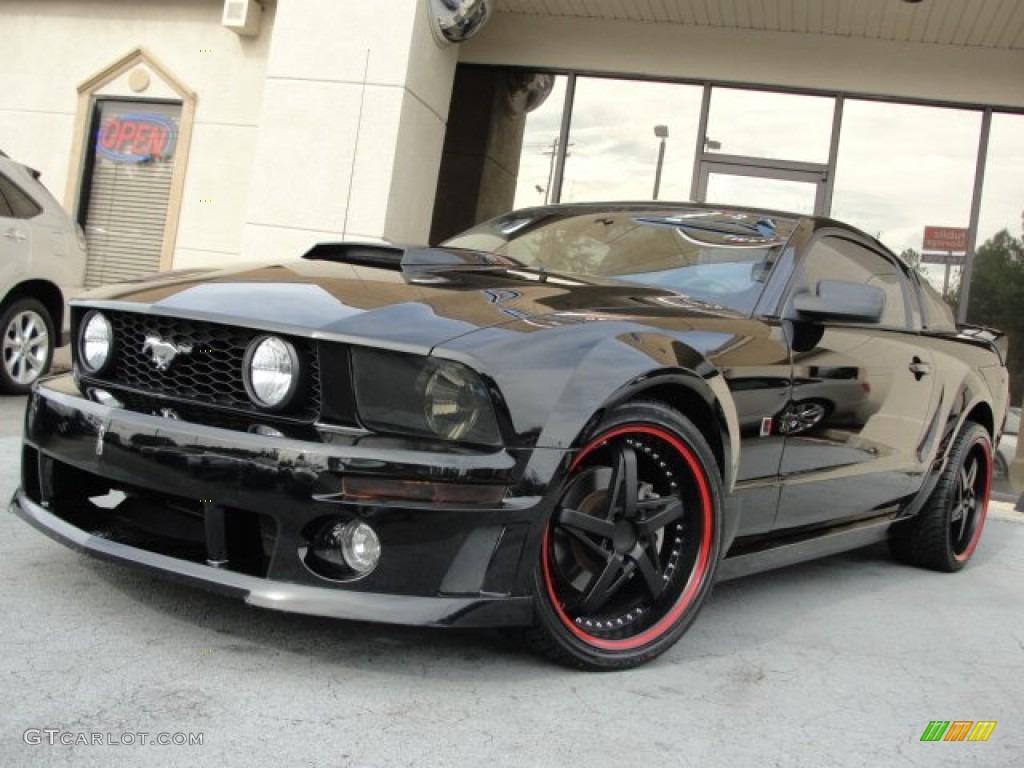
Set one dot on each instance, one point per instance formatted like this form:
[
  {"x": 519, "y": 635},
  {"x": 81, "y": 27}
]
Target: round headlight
[
  {"x": 271, "y": 372},
  {"x": 96, "y": 343},
  {"x": 452, "y": 400}
]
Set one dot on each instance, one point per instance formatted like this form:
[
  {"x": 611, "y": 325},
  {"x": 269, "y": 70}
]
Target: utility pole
[
  {"x": 553, "y": 152},
  {"x": 551, "y": 169}
]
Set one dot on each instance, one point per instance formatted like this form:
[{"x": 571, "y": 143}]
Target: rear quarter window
[
  {"x": 938, "y": 315},
  {"x": 19, "y": 204}
]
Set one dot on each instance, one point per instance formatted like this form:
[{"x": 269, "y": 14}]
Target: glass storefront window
[
  {"x": 997, "y": 284},
  {"x": 613, "y": 149},
  {"x": 1002, "y": 200},
  {"x": 540, "y": 140},
  {"x": 902, "y": 167},
  {"x": 781, "y": 126}
]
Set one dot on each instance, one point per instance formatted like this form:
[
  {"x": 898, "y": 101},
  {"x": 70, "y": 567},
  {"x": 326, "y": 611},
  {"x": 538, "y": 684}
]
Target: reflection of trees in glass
[
  {"x": 997, "y": 295},
  {"x": 951, "y": 292},
  {"x": 912, "y": 258}
]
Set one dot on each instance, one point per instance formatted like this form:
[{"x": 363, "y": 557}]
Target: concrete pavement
[{"x": 840, "y": 662}]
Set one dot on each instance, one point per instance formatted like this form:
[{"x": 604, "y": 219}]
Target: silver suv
[{"x": 42, "y": 263}]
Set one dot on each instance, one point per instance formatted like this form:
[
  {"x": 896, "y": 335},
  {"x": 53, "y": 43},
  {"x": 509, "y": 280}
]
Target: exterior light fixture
[
  {"x": 661, "y": 132},
  {"x": 455, "y": 21}
]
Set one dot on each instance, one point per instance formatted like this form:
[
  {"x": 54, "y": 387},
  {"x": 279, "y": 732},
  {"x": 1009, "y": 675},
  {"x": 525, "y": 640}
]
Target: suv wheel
[{"x": 27, "y": 345}]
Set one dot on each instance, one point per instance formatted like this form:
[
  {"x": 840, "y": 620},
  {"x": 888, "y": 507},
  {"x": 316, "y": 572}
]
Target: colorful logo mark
[{"x": 958, "y": 730}]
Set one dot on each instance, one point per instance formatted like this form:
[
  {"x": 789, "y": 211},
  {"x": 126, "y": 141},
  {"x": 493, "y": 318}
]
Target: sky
[{"x": 900, "y": 167}]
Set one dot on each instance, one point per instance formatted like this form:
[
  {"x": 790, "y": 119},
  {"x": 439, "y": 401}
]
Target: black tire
[
  {"x": 629, "y": 555},
  {"x": 946, "y": 531},
  {"x": 27, "y": 347}
]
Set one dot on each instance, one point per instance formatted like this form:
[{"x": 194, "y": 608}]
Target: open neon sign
[{"x": 136, "y": 138}]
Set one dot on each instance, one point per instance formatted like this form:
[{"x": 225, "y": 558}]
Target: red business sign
[
  {"x": 945, "y": 239},
  {"x": 136, "y": 138}
]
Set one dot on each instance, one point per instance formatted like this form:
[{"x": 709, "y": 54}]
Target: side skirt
[{"x": 779, "y": 553}]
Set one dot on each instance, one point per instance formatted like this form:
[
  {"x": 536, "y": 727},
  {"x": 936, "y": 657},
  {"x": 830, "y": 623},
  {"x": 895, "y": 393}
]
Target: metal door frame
[
  {"x": 764, "y": 168},
  {"x": 820, "y": 174}
]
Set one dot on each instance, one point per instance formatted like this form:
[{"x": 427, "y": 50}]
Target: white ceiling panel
[{"x": 967, "y": 23}]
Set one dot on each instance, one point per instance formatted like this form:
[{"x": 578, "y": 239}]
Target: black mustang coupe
[{"x": 570, "y": 419}]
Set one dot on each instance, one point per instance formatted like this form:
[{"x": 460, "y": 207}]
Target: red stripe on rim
[
  {"x": 983, "y": 511},
  {"x": 696, "y": 577}
]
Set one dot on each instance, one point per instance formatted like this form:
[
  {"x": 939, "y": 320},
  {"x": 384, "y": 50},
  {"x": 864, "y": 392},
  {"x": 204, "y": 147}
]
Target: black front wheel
[{"x": 630, "y": 552}]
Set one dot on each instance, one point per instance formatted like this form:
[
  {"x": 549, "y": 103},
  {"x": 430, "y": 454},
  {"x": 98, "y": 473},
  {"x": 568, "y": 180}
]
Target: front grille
[{"x": 212, "y": 373}]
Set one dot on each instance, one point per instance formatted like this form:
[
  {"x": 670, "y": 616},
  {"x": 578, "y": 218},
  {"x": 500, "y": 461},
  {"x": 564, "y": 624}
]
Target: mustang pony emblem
[{"x": 162, "y": 353}]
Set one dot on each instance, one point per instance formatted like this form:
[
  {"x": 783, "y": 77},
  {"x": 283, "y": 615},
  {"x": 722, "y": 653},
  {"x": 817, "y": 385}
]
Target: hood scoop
[{"x": 400, "y": 258}]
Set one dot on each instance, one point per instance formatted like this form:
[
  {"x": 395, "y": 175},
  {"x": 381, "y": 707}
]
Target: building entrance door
[{"x": 127, "y": 187}]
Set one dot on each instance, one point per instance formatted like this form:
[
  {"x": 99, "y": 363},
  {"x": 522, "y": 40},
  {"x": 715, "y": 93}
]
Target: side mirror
[{"x": 843, "y": 301}]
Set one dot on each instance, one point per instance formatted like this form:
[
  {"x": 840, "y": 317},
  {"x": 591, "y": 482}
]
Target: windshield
[{"x": 719, "y": 258}]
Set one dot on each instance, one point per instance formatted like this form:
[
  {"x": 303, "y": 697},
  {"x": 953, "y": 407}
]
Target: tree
[
  {"x": 997, "y": 297},
  {"x": 952, "y": 294},
  {"x": 912, "y": 258}
]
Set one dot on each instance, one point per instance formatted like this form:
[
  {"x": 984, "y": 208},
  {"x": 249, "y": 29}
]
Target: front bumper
[
  {"x": 185, "y": 486},
  {"x": 294, "y": 598}
]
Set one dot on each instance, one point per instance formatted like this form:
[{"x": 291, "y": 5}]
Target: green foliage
[
  {"x": 952, "y": 295},
  {"x": 997, "y": 298},
  {"x": 912, "y": 258}
]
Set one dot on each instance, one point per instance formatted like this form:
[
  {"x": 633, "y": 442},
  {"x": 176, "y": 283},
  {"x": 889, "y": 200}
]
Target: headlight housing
[
  {"x": 425, "y": 396},
  {"x": 270, "y": 372},
  {"x": 96, "y": 342}
]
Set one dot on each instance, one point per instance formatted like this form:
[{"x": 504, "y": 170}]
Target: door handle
[
  {"x": 14, "y": 234},
  {"x": 919, "y": 368}
]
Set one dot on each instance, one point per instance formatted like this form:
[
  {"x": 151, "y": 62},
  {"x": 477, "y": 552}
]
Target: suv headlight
[
  {"x": 96, "y": 342},
  {"x": 416, "y": 395}
]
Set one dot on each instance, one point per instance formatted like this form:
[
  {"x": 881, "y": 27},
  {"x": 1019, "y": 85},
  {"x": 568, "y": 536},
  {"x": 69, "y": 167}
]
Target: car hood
[{"x": 400, "y": 308}]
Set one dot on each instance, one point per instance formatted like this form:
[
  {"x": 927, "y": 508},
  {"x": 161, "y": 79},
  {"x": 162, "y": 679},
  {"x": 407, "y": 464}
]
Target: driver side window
[{"x": 835, "y": 258}]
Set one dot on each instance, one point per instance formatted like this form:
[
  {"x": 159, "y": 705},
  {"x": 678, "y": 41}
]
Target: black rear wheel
[
  {"x": 629, "y": 554},
  {"x": 945, "y": 533}
]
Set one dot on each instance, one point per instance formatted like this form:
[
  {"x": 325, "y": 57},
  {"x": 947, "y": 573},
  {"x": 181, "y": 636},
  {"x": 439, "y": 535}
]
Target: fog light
[
  {"x": 265, "y": 431},
  {"x": 359, "y": 545},
  {"x": 339, "y": 550}
]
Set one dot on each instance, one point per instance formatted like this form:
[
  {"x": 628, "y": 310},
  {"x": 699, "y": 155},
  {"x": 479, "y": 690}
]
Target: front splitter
[{"x": 282, "y": 596}]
